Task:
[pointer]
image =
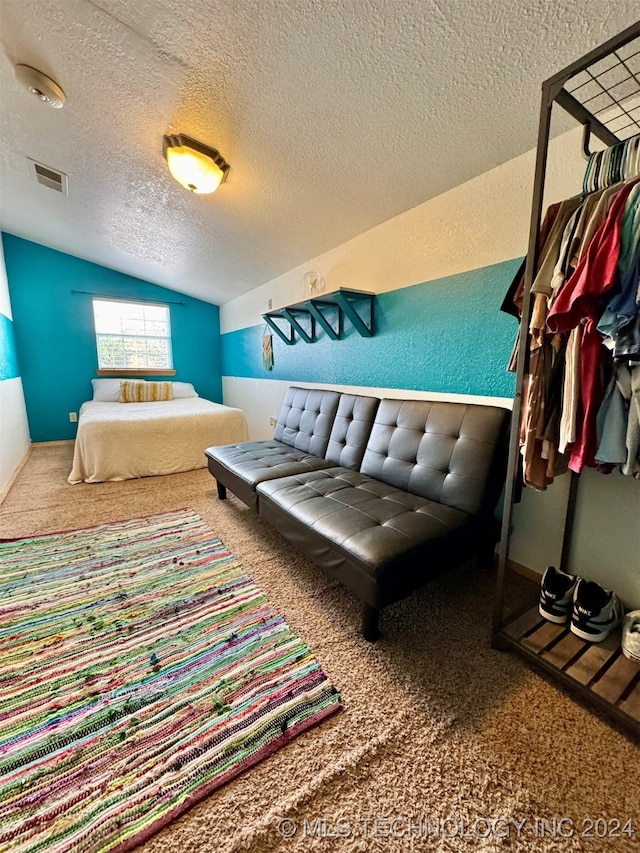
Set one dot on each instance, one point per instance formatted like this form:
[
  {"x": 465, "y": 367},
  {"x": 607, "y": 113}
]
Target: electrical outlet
[
  {"x": 273, "y": 421},
  {"x": 73, "y": 417},
  {"x": 270, "y": 305}
]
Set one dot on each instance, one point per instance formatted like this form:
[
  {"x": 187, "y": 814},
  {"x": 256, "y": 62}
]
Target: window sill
[{"x": 143, "y": 371}]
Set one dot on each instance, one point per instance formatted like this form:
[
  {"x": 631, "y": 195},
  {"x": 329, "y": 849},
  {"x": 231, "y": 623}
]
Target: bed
[{"x": 120, "y": 441}]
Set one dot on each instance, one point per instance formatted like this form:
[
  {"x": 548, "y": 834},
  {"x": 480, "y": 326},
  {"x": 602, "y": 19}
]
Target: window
[{"x": 132, "y": 336}]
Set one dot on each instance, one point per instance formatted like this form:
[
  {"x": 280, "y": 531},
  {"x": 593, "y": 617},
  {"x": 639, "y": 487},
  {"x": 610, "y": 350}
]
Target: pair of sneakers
[{"x": 593, "y": 612}]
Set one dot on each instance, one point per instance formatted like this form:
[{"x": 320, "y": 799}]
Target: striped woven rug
[{"x": 140, "y": 669}]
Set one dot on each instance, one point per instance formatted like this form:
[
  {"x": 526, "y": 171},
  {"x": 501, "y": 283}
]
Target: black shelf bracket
[
  {"x": 295, "y": 316},
  {"x": 270, "y": 320},
  {"x": 322, "y": 311},
  {"x": 347, "y": 300},
  {"x": 328, "y": 311}
]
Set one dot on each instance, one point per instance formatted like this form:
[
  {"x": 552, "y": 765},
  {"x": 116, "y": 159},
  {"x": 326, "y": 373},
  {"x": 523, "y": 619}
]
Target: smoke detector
[{"x": 43, "y": 87}]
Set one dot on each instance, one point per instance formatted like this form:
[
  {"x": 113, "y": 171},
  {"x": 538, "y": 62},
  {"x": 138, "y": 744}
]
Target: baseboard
[
  {"x": 523, "y": 571},
  {"x": 53, "y": 443},
  {"x": 5, "y": 489}
]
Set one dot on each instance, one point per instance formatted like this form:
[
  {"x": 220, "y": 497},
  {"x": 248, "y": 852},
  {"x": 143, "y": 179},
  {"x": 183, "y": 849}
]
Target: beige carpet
[{"x": 435, "y": 725}]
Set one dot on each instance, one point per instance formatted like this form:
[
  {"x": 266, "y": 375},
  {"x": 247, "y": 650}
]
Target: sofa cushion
[
  {"x": 306, "y": 418},
  {"x": 372, "y": 522},
  {"x": 351, "y": 430},
  {"x": 255, "y": 461},
  {"x": 444, "y": 452}
]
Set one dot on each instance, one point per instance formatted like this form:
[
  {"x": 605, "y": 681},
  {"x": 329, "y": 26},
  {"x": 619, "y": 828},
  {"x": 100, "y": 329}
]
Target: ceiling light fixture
[
  {"x": 197, "y": 167},
  {"x": 43, "y": 87}
]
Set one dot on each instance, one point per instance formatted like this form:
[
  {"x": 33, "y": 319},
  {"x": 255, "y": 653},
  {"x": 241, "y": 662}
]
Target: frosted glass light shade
[{"x": 197, "y": 167}]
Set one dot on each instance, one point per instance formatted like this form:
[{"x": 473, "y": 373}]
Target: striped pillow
[{"x": 139, "y": 391}]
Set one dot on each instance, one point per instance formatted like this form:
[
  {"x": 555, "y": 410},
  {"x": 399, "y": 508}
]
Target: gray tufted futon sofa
[{"x": 384, "y": 494}]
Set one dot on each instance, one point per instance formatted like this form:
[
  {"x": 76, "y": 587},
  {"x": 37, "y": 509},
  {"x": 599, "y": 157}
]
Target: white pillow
[
  {"x": 106, "y": 390},
  {"x": 182, "y": 390}
]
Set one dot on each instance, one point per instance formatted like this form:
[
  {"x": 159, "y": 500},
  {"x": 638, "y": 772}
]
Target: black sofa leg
[
  {"x": 222, "y": 490},
  {"x": 370, "y": 623},
  {"x": 487, "y": 546}
]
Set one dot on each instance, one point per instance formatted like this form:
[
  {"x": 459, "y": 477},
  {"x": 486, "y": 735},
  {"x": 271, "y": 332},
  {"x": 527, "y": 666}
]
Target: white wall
[
  {"x": 14, "y": 429},
  {"x": 237, "y": 391},
  {"x": 479, "y": 223}
]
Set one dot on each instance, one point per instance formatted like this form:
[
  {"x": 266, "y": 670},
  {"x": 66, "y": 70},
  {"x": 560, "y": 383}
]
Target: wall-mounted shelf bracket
[
  {"x": 271, "y": 318},
  {"x": 297, "y": 317},
  {"x": 348, "y": 300},
  {"x": 329, "y": 316}
]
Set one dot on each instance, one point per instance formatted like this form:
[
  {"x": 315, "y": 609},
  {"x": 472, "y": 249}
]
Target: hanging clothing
[
  {"x": 585, "y": 287},
  {"x": 539, "y": 461},
  {"x": 593, "y": 214},
  {"x": 570, "y": 392},
  {"x": 627, "y": 345},
  {"x": 613, "y": 417},
  {"x": 552, "y": 246},
  {"x": 632, "y": 466},
  {"x": 512, "y": 302},
  {"x": 578, "y": 302},
  {"x": 623, "y": 306}
]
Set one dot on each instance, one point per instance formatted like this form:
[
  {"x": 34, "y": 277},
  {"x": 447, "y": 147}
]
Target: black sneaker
[
  {"x": 556, "y": 595},
  {"x": 596, "y": 611}
]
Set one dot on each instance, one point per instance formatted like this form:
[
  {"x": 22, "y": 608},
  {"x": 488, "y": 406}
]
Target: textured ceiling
[{"x": 335, "y": 115}]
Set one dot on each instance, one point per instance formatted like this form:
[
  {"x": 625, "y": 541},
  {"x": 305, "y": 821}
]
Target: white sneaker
[{"x": 631, "y": 635}]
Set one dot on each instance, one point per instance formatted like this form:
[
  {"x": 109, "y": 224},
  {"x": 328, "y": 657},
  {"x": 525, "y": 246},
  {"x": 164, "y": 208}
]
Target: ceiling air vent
[{"x": 48, "y": 177}]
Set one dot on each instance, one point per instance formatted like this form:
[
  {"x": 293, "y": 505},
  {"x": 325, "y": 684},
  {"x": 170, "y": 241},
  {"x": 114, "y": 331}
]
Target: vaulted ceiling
[{"x": 335, "y": 115}]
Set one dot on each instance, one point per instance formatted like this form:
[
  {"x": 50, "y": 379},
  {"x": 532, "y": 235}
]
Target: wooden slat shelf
[{"x": 598, "y": 671}]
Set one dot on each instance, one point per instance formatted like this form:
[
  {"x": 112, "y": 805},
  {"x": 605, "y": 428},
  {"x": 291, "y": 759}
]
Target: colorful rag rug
[{"x": 140, "y": 669}]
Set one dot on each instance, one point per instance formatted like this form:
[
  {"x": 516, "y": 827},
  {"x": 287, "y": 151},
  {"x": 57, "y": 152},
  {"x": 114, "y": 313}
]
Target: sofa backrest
[
  {"x": 306, "y": 419},
  {"x": 351, "y": 430},
  {"x": 453, "y": 453}
]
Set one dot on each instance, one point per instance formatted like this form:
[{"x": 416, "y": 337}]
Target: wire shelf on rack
[{"x": 610, "y": 90}]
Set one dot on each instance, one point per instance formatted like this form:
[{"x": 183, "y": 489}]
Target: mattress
[{"x": 120, "y": 441}]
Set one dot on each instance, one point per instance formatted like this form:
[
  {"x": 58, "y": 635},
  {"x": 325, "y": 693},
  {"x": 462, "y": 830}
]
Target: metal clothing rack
[{"x": 602, "y": 92}]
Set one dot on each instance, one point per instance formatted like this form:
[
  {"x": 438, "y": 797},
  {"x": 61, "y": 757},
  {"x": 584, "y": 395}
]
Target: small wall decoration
[
  {"x": 313, "y": 283},
  {"x": 267, "y": 351}
]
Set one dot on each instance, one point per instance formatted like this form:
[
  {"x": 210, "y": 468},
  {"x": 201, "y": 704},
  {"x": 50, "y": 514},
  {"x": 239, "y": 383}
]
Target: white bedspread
[{"x": 119, "y": 441}]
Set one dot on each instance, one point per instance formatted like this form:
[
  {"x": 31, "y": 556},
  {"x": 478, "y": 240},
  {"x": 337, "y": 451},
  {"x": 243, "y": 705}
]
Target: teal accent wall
[
  {"x": 55, "y": 337},
  {"x": 8, "y": 355},
  {"x": 446, "y": 335}
]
